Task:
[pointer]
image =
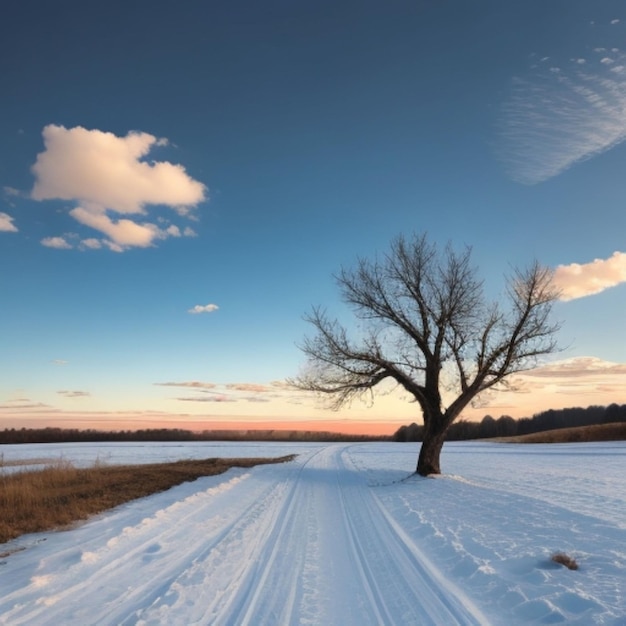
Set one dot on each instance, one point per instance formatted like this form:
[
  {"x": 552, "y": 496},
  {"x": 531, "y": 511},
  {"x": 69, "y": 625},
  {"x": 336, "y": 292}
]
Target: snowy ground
[{"x": 341, "y": 536}]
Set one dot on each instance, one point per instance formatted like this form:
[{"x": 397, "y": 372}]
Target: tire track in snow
[
  {"x": 274, "y": 587},
  {"x": 335, "y": 556},
  {"x": 241, "y": 560},
  {"x": 307, "y": 542},
  {"x": 404, "y": 587}
]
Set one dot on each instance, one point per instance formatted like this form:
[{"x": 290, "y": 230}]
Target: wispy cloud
[
  {"x": 233, "y": 392},
  {"x": 194, "y": 384},
  {"x": 60, "y": 362},
  {"x": 6, "y": 224},
  {"x": 13, "y": 406},
  {"x": 579, "y": 280},
  {"x": 107, "y": 176},
  {"x": 562, "y": 114},
  {"x": 578, "y": 367},
  {"x": 254, "y": 387},
  {"x": 74, "y": 394},
  {"x": 215, "y": 398},
  {"x": 200, "y": 308},
  {"x": 578, "y": 381}
]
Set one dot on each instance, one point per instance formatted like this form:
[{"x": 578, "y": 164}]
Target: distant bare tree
[{"x": 425, "y": 324}]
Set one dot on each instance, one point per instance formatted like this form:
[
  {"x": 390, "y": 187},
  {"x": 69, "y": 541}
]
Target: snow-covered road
[{"x": 338, "y": 537}]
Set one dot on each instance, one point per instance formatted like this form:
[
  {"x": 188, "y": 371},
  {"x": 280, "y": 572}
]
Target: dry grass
[
  {"x": 597, "y": 432},
  {"x": 61, "y": 494},
  {"x": 563, "y": 559}
]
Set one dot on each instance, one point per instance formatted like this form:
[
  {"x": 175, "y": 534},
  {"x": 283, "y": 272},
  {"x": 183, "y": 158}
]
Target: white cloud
[
  {"x": 11, "y": 191},
  {"x": 124, "y": 232},
  {"x": 56, "y": 242},
  {"x": 60, "y": 362},
  {"x": 6, "y": 224},
  {"x": 614, "y": 21},
  {"x": 114, "y": 247},
  {"x": 553, "y": 120},
  {"x": 580, "y": 280},
  {"x": 104, "y": 174},
  {"x": 93, "y": 244},
  {"x": 207, "y": 308}
]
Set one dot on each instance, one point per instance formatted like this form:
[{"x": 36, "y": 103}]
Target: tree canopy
[{"x": 425, "y": 323}]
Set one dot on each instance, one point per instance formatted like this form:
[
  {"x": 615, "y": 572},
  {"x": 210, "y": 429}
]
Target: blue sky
[{"x": 157, "y": 158}]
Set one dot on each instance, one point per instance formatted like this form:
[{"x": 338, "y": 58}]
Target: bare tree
[{"x": 425, "y": 324}]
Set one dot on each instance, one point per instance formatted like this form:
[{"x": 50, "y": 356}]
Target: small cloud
[
  {"x": 11, "y": 191},
  {"x": 207, "y": 308},
  {"x": 112, "y": 246},
  {"x": 194, "y": 384},
  {"x": 92, "y": 244},
  {"x": 580, "y": 280},
  {"x": 607, "y": 61},
  {"x": 56, "y": 242},
  {"x": 123, "y": 232},
  {"x": 215, "y": 398},
  {"x": 282, "y": 385},
  {"x": 27, "y": 405},
  {"x": 578, "y": 367},
  {"x": 249, "y": 387},
  {"x": 189, "y": 232},
  {"x": 6, "y": 224},
  {"x": 107, "y": 175},
  {"x": 74, "y": 394},
  {"x": 615, "y": 21},
  {"x": 59, "y": 362}
]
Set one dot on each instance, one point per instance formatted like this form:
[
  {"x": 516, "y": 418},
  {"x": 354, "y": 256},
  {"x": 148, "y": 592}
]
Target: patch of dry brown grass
[
  {"x": 61, "y": 494},
  {"x": 563, "y": 559},
  {"x": 577, "y": 434}
]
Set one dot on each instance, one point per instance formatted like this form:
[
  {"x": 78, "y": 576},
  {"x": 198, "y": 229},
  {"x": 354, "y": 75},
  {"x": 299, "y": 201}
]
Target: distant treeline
[
  {"x": 488, "y": 427},
  {"x": 506, "y": 426},
  {"x": 71, "y": 435}
]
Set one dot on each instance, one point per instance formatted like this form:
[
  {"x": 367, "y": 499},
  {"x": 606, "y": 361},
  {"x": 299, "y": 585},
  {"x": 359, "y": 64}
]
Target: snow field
[{"x": 342, "y": 535}]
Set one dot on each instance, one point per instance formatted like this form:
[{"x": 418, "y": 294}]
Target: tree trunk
[{"x": 432, "y": 443}]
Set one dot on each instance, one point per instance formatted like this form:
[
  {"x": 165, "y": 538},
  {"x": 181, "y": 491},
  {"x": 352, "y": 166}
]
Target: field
[
  {"x": 344, "y": 534},
  {"x": 579, "y": 434}
]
